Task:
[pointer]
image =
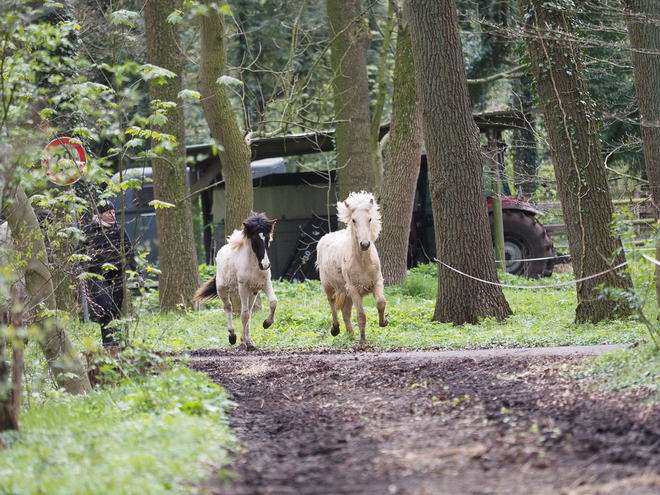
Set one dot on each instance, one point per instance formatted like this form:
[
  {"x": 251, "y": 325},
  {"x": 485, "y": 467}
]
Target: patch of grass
[
  {"x": 629, "y": 367},
  {"x": 542, "y": 317},
  {"x": 161, "y": 434}
]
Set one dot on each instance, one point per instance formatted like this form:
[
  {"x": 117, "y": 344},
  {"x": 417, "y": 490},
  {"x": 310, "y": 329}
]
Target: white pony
[
  {"x": 243, "y": 265},
  {"x": 349, "y": 265}
]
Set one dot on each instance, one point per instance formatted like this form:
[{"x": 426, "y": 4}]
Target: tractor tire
[{"x": 526, "y": 239}]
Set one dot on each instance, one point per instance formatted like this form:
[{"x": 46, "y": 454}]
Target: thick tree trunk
[
  {"x": 644, "y": 29},
  {"x": 402, "y": 165},
  {"x": 62, "y": 358},
  {"x": 577, "y": 159},
  {"x": 453, "y": 153},
  {"x": 350, "y": 36},
  {"x": 234, "y": 151},
  {"x": 179, "y": 276}
]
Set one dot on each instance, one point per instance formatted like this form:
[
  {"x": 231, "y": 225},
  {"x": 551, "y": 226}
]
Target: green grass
[
  {"x": 159, "y": 434},
  {"x": 542, "y": 317}
]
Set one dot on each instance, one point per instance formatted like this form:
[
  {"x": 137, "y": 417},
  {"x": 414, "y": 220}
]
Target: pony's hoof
[
  {"x": 363, "y": 345},
  {"x": 251, "y": 347},
  {"x": 267, "y": 323},
  {"x": 335, "y": 331},
  {"x": 384, "y": 323},
  {"x": 232, "y": 339}
]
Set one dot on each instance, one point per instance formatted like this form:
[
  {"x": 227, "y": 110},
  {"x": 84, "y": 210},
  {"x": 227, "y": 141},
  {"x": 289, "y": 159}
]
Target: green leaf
[
  {"x": 160, "y": 204},
  {"x": 125, "y": 17},
  {"x": 227, "y": 81},
  {"x": 189, "y": 94}
]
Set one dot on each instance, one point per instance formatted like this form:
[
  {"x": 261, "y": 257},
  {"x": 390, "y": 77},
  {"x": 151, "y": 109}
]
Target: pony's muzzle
[
  {"x": 364, "y": 245},
  {"x": 265, "y": 265}
]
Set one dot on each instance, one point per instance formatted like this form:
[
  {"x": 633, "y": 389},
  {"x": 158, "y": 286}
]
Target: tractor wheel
[{"x": 526, "y": 239}]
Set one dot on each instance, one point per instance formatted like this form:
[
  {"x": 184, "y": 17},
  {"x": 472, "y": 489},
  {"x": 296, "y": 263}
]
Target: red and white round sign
[{"x": 64, "y": 161}]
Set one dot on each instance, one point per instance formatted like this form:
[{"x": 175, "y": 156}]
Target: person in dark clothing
[{"x": 103, "y": 244}]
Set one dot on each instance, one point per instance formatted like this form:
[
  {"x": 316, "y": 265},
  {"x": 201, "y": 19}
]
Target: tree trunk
[
  {"x": 402, "y": 165},
  {"x": 525, "y": 154},
  {"x": 179, "y": 276},
  {"x": 644, "y": 29},
  {"x": 234, "y": 152},
  {"x": 458, "y": 193},
  {"x": 383, "y": 77},
  {"x": 577, "y": 159},
  {"x": 11, "y": 389},
  {"x": 350, "y": 37},
  {"x": 62, "y": 358}
]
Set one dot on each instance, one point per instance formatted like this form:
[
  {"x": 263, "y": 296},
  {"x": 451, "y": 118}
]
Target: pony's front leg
[
  {"x": 332, "y": 296},
  {"x": 247, "y": 301},
  {"x": 379, "y": 294},
  {"x": 272, "y": 303},
  {"x": 226, "y": 305},
  {"x": 360, "y": 315}
]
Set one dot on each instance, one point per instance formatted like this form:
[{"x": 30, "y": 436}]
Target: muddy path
[{"x": 431, "y": 423}]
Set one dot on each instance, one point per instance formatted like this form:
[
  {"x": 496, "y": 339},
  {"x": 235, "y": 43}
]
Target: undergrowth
[{"x": 156, "y": 433}]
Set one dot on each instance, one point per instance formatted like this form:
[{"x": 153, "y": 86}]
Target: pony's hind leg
[
  {"x": 346, "y": 313},
  {"x": 360, "y": 315},
  {"x": 247, "y": 301},
  {"x": 226, "y": 305},
  {"x": 272, "y": 303},
  {"x": 379, "y": 294}
]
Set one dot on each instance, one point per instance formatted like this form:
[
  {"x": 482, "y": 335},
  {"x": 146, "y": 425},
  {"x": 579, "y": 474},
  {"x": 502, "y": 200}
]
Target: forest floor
[{"x": 510, "y": 421}]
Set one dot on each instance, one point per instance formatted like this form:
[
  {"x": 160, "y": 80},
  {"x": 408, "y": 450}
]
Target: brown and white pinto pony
[
  {"x": 348, "y": 263},
  {"x": 243, "y": 266}
]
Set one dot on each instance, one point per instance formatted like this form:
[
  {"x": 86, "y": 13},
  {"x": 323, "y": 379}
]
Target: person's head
[{"x": 106, "y": 211}]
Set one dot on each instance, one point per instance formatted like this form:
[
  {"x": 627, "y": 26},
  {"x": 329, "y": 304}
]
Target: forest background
[{"x": 134, "y": 82}]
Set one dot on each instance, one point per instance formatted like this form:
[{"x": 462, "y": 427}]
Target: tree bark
[
  {"x": 350, "y": 37},
  {"x": 402, "y": 164},
  {"x": 234, "y": 152},
  {"x": 62, "y": 358},
  {"x": 453, "y": 153},
  {"x": 644, "y": 30},
  {"x": 577, "y": 159},
  {"x": 179, "y": 276},
  {"x": 12, "y": 388}
]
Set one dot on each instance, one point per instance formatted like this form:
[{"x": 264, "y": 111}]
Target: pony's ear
[
  {"x": 272, "y": 225},
  {"x": 346, "y": 204},
  {"x": 372, "y": 201}
]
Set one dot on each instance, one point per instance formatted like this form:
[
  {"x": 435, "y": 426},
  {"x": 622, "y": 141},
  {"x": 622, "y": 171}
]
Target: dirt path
[{"x": 432, "y": 423}]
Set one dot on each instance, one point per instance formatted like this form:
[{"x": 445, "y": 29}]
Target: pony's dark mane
[{"x": 257, "y": 222}]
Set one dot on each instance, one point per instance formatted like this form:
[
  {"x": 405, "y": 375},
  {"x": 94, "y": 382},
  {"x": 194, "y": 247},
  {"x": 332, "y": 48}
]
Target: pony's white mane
[
  {"x": 236, "y": 239},
  {"x": 360, "y": 201}
]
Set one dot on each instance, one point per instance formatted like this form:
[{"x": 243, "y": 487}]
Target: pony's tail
[
  {"x": 339, "y": 300},
  {"x": 207, "y": 292}
]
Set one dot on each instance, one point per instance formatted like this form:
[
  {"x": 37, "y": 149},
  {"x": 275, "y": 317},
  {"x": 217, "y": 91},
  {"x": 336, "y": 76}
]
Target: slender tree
[
  {"x": 233, "y": 150},
  {"x": 401, "y": 168},
  {"x": 350, "y": 38},
  {"x": 644, "y": 29},
  {"x": 62, "y": 357},
  {"x": 178, "y": 260},
  {"x": 577, "y": 159},
  {"x": 461, "y": 223}
]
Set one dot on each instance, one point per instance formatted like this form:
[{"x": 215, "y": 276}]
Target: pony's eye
[
  {"x": 370, "y": 220},
  {"x": 354, "y": 220}
]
